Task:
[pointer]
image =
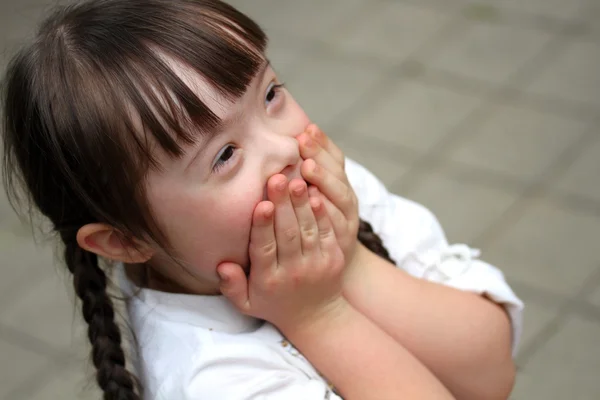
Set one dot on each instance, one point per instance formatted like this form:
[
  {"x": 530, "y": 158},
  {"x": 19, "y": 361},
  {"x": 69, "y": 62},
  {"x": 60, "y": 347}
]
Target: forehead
[{"x": 226, "y": 108}]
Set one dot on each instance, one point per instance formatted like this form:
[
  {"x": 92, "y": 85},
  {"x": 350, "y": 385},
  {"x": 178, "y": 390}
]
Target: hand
[
  {"x": 331, "y": 180},
  {"x": 296, "y": 262}
]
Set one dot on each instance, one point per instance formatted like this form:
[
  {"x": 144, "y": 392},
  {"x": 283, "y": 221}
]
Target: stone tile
[
  {"x": 444, "y": 4},
  {"x": 592, "y": 31},
  {"x": 8, "y": 216},
  {"x": 310, "y": 19},
  {"x": 70, "y": 384},
  {"x": 464, "y": 209},
  {"x": 254, "y": 8},
  {"x": 22, "y": 261},
  {"x": 591, "y": 26},
  {"x": 573, "y": 75},
  {"x": 285, "y": 53},
  {"x": 595, "y": 297},
  {"x": 557, "y": 9},
  {"x": 549, "y": 247},
  {"x": 488, "y": 53},
  {"x": 582, "y": 176},
  {"x": 325, "y": 87},
  {"x": 566, "y": 367},
  {"x": 413, "y": 114},
  {"x": 19, "y": 22},
  {"x": 535, "y": 318},
  {"x": 386, "y": 168},
  {"x": 7, "y": 50},
  {"x": 16, "y": 366},
  {"x": 45, "y": 311},
  {"x": 391, "y": 31},
  {"x": 519, "y": 142},
  {"x": 522, "y": 384},
  {"x": 283, "y": 49}
]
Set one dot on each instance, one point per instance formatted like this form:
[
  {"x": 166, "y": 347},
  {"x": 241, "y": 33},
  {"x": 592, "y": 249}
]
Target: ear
[{"x": 105, "y": 241}]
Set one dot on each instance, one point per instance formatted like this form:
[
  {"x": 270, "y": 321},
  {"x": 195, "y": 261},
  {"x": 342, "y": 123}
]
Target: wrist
[
  {"x": 357, "y": 267},
  {"x": 317, "y": 321}
]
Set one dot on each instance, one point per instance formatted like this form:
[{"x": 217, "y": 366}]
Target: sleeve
[
  {"x": 251, "y": 373},
  {"x": 417, "y": 243}
]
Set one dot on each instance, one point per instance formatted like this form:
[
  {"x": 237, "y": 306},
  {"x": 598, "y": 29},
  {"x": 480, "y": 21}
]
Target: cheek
[
  {"x": 206, "y": 230},
  {"x": 229, "y": 221},
  {"x": 235, "y": 208}
]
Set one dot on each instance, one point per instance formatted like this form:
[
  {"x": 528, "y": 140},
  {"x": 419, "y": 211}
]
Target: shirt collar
[{"x": 209, "y": 312}]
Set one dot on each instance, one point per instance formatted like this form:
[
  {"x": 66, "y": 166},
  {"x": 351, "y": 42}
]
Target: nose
[
  {"x": 282, "y": 156},
  {"x": 292, "y": 171}
]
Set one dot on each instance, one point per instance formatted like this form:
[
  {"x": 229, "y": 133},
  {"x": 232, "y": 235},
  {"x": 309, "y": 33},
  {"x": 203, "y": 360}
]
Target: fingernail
[
  {"x": 316, "y": 168},
  {"x": 281, "y": 186},
  {"x": 223, "y": 276},
  {"x": 316, "y": 205},
  {"x": 317, "y": 134},
  {"x": 298, "y": 191},
  {"x": 269, "y": 212}
]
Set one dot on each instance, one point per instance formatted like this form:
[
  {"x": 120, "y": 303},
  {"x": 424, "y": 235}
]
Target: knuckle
[
  {"x": 325, "y": 234},
  {"x": 340, "y": 174},
  {"x": 339, "y": 260},
  {"x": 270, "y": 284},
  {"x": 334, "y": 259},
  {"x": 264, "y": 249},
  {"x": 309, "y": 233},
  {"x": 347, "y": 195},
  {"x": 290, "y": 234},
  {"x": 296, "y": 277}
]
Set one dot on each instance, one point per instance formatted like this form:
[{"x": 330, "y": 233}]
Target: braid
[
  {"x": 372, "y": 241},
  {"x": 107, "y": 354}
]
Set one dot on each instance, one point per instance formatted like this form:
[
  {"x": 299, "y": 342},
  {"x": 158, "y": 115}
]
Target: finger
[
  {"x": 309, "y": 148},
  {"x": 263, "y": 246},
  {"x": 309, "y": 231},
  {"x": 234, "y": 285},
  {"x": 327, "y": 238},
  {"x": 313, "y": 191},
  {"x": 340, "y": 193},
  {"x": 326, "y": 143},
  {"x": 287, "y": 231},
  {"x": 338, "y": 220}
]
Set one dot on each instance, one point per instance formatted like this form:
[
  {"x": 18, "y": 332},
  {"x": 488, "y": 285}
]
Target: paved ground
[{"x": 486, "y": 111}]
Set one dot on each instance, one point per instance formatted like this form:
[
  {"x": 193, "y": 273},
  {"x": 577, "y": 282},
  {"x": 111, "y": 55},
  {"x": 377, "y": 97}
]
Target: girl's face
[{"x": 204, "y": 201}]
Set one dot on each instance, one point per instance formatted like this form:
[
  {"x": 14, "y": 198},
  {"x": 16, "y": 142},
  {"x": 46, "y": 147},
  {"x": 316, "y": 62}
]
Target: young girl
[{"x": 156, "y": 137}]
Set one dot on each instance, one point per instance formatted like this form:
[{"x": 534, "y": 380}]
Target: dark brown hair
[{"x": 74, "y": 102}]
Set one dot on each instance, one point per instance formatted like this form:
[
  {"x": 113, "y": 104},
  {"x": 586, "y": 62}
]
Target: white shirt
[{"x": 199, "y": 347}]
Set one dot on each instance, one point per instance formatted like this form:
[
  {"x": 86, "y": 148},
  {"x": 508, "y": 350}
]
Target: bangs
[{"x": 120, "y": 76}]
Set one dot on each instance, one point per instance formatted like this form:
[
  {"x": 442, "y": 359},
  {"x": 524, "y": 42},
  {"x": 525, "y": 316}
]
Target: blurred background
[{"x": 486, "y": 111}]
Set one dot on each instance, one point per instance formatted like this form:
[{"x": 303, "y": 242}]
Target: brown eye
[
  {"x": 223, "y": 157},
  {"x": 272, "y": 92},
  {"x": 226, "y": 154}
]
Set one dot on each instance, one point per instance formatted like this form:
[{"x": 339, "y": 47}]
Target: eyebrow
[{"x": 232, "y": 120}]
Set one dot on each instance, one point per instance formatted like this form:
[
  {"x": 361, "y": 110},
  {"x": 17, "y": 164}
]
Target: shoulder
[{"x": 166, "y": 352}]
